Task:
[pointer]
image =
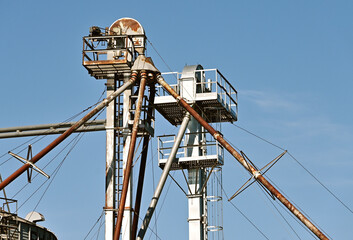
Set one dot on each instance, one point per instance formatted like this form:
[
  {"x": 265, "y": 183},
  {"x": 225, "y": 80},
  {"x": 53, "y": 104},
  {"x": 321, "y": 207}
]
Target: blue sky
[{"x": 291, "y": 62}]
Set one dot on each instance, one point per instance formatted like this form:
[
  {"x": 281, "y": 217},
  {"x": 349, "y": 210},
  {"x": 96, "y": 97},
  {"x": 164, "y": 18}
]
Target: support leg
[{"x": 163, "y": 178}]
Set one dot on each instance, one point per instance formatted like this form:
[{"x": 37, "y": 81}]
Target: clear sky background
[{"x": 291, "y": 62}]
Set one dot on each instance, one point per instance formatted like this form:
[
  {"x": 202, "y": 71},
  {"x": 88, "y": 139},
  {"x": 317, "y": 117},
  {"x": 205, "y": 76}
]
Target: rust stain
[
  {"x": 127, "y": 23},
  {"x": 102, "y": 62},
  {"x": 149, "y": 60},
  {"x": 131, "y": 23}
]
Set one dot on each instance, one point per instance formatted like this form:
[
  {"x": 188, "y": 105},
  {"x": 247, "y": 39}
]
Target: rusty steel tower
[
  {"x": 192, "y": 100},
  {"x": 110, "y": 54}
]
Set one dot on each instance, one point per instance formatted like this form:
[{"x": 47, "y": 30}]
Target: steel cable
[
  {"x": 299, "y": 209},
  {"x": 268, "y": 198},
  {"x": 243, "y": 214},
  {"x": 94, "y": 225},
  {"x": 77, "y": 139},
  {"x": 300, "y": 164},
  {"x": 49, "y": 130}
]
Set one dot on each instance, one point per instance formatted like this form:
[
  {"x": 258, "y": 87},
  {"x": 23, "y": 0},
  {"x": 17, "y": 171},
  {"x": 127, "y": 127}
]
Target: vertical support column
[
  {"x": 127, "y": 219},
  {"x": 148, "y": 119},
  {"x": 196, "y": 205},
  {"x": 110, "y": 163},
  {"x": 196, "y": 178}
]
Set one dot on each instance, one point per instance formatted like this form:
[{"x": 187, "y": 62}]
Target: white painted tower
[{"x": 212, "y": 96}]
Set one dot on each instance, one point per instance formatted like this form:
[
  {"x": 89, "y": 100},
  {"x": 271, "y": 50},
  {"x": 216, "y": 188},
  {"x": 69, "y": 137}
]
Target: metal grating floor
[
  {"x": 213, "y": 110},
  {"x": 192, "y": 162}
]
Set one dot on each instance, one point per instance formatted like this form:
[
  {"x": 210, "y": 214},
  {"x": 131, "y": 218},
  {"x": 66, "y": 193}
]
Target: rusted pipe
[
  {"x": 5, "y": 196},
  {"x": 67, "y": 133},
  {"x": 217, "y": 136},
  {"x": 128, "y": 168},
  {"x": 142, "y": 165}
]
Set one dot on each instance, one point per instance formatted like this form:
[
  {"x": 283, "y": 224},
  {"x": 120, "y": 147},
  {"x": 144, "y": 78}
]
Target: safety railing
[
  {"x": 206, "y": 81},
  {"x": 120, "y": 47},
  {"x": 144, "y": 114},
  {"x": 8, "y": 205},
  {"x": 170, "y": 78},
  {"x": 212, "y": 80},
  {"x": 205, "y": 146}
]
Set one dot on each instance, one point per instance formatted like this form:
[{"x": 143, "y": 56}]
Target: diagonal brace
[
  {"x": 128, "y": 168},
  {"x": 218, "y": 136},
  {"x": 69, "y": 131},
  {"x": 163, "y": 178}
]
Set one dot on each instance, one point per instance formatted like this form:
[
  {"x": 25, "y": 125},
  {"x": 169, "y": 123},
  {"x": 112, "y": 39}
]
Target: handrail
[
  {"x": 226, "y": 81},
  {"x": 211, "y": 145},
  {"x": 88, "y": 44},
  {"x": 226, "y": 92},
  {"x": 206, "y": 81},
  {"x": 95, "y": 51},
  {"x": 191, "y": 146}
]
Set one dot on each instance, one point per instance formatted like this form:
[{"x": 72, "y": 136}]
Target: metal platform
[
  {"x": 115, "y": 50},
  {"x": 101, "y": 69},
  {"x": 213, "y": 96},
  {"x": 106, "y": 55},
  {"x": 212, "y": 153}
]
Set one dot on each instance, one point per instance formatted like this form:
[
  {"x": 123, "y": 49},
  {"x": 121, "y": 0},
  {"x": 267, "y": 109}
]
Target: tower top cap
[{"x": 126, "y": 26}]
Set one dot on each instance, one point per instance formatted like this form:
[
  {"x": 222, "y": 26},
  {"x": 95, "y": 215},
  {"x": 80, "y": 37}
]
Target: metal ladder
[
  {"x": 120, "y": 134},
  {"x": 119, "y": 144}
]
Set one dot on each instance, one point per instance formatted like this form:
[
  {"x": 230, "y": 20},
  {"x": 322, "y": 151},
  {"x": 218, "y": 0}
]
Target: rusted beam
[
  {"x": 5, "y": 196},
  {"x": 257, "y": 175},
  {"x": 68, "y": 132},
  {"x": 142, "y": 165},
  {"x": 128, "y": 168}
]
